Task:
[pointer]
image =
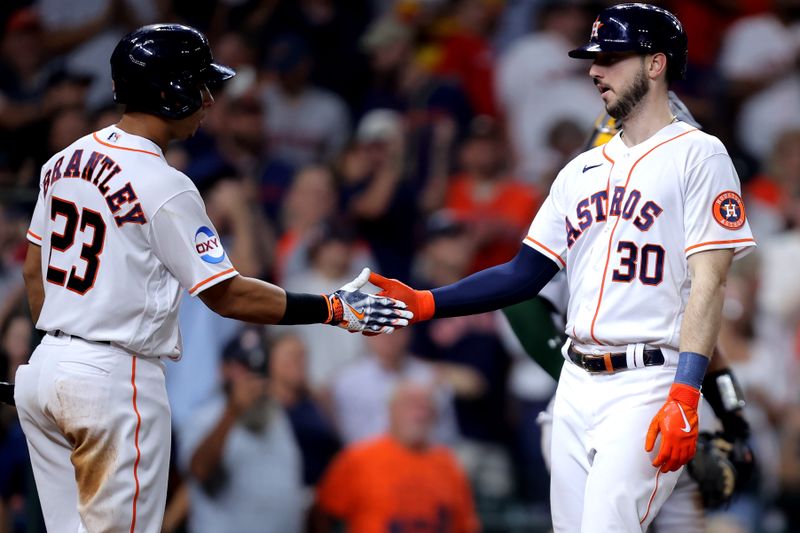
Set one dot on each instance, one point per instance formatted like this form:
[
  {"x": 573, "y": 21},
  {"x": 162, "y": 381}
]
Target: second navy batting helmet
[
  {"x": 642, "y": 28},
  {"x": 161, "y": 69}
]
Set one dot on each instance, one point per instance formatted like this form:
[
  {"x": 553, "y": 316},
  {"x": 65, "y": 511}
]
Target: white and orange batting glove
[{"x": 353, "y": 310}]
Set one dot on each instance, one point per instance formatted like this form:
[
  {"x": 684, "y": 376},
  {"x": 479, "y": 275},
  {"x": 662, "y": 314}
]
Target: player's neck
[
  {"x": 647, "y": 119},
  {"x": 148, "y": 126}
]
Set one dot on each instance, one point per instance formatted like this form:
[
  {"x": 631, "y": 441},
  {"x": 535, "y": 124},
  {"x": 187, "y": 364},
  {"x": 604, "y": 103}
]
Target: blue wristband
[{"x": 691, "y": 369}]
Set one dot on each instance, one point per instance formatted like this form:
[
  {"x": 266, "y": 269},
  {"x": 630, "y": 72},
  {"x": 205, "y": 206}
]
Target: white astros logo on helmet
[{"x": 595, "y": 27}]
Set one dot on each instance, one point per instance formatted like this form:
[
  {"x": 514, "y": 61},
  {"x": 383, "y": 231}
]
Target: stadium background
[{"x": 417, "y": 137}]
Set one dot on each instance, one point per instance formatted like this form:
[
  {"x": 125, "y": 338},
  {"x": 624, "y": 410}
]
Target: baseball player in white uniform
[
  {"x": 721, "y": 470},
  {"x": 646, "y": 227},
  {"x": 115, "y": 237}
]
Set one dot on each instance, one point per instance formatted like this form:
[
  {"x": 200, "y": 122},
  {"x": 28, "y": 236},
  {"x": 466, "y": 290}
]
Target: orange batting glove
[
  {"x": 677, "y": 423},
  {"x": 419, "y": 302}
]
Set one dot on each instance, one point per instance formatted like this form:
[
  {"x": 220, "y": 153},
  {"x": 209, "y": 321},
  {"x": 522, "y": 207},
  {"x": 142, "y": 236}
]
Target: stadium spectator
[
  {"x": 11, "y": 257},
  {"x": 305, "y": 124},
  {"x": 15, "y": 478},
  {"x": 244, "y": 466},
  {"x": 374, "y": 192},
  {"x": 759, "y": 59},
  {"x": 24, "y": 102},
  {"x": 466, "y": 53},
  {"x": 538, "y": 84},
  {"x": 244, "y": 143},
  {"x": 84, "y": 31},
  {"x": 404, "y": 79},
  {"x": 361, "y": 390},
  {"x": 496, "y": 208},
  {"x": 310, "y": 201},
  {"x": 400, "y": 481},
  {"x": 33, "y": 88},
  {"x": 772, "y": 196},
  {"x": 334, "y": 258},
  {"x": 472, "y": 342},
  {"x": 288, "y": 385},
  {"x": 790, "y": 469}
]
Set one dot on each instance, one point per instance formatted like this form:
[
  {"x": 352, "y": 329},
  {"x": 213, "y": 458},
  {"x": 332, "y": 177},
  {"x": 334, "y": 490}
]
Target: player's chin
[{"x": 191, "y": 131}]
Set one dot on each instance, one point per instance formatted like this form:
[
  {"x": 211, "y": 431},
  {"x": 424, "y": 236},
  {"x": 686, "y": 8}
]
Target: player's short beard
[{"x": 630, "y": 98}]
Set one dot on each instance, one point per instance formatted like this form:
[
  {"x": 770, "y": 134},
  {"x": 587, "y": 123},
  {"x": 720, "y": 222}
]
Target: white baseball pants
[
  {"x": 97, "y": 424},
  {"x": 602, "y": 479}
]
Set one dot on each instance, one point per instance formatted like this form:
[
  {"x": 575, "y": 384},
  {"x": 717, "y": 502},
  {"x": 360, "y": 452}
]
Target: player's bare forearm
[
  {"x": 703, "y": 314},
  {"x": 258, "y": 302},
  {"x": 34, "y": 284},
  {"x": 246, "y": 299}
]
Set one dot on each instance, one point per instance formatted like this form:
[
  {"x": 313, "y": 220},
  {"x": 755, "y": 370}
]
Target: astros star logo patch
[
  {"x": 728, "y": 210},
  {"x": 596, "y": 26}
]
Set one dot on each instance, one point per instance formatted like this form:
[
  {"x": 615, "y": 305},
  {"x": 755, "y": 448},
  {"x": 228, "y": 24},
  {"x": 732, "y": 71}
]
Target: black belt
[
  {"x": 59, "y": 333},
  {"x": 611, "y": 362}
]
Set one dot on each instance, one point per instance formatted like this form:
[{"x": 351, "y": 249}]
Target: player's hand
[
  {"x": 354, "y": 310},
  {"x": 677, "y": 423},
  {"x": 420, "y": 303}
]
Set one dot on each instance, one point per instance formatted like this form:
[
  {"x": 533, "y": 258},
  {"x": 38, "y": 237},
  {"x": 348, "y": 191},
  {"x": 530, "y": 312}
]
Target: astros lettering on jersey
[
  {"x": 115, "y": 182},
  {"x": 623, "y": 221}
]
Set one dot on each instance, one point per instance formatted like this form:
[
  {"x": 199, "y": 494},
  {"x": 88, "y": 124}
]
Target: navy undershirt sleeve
[{"x": 494, "y": 288}]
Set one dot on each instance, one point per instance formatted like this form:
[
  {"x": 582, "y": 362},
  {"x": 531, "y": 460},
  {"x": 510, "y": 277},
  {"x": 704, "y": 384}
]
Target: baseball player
[
  {"x": 646, "y": 226},
  {"x": 724, "y": 461},
  {"x": 115, "y": 236}
]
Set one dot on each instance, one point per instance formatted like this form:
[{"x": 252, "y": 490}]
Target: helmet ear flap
[{"x": 179, "y": 99}]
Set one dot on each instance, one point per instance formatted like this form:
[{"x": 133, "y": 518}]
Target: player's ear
[{"x": 655, "y": 65}]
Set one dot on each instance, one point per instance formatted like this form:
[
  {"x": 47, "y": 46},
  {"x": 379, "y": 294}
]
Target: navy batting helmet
[
  {"x": 161, "y": 69},
  {"x": 642, "y": 28}
]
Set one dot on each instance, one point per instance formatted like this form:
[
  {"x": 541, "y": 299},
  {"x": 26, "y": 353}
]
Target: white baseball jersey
[
  {"x": 121, "y": 233},
  {"x": 623, "y": 221}
]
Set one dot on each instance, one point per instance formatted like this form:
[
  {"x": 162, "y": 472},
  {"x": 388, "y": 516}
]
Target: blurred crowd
[{"x": 416, "y": 137}]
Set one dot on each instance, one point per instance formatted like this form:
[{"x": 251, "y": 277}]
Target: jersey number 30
[
  {"x": 649, "y": 260},
  {"x": 64, "y": 241}
]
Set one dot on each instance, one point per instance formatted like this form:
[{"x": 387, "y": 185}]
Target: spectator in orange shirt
[
  {"x": 496, "y": 207},
  {"x": 399, "y": 482}
]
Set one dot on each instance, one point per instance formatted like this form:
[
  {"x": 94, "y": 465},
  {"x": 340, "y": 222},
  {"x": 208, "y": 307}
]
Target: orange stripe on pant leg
[
  {"x": 652, "y": 497},
  {"x": 136, "y": 443}
]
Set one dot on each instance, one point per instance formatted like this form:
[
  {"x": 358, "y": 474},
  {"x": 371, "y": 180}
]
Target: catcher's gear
[
  {"x": 642, "y": 28},
  {"x": 161, "y": 69},
  {"x": 723, "y": 392},
  {"x": 743, "y": 460},
  {"x": 714, "y": 470},
  {"x": 677, "y": 423},
  {"x": 354, "y": 310},
  {"x": 7, "y": 393},
  {"x": 420, "y": 303}
]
